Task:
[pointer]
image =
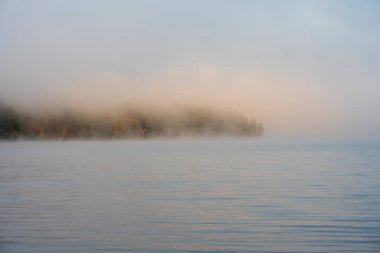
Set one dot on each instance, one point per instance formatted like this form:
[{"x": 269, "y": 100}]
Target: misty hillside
[{"x": 128, "y": 124}]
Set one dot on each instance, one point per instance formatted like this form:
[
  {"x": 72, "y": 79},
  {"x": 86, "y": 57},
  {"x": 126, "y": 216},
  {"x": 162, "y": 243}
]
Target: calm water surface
[{"x": 188, "y": 196}]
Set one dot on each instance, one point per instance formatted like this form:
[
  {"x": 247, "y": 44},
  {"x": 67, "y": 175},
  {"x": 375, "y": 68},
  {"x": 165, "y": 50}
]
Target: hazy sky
[{"x": 304, "y": 68}]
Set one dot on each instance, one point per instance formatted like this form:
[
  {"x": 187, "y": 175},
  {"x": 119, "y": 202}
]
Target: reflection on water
[{"x": 189, "y": 195}]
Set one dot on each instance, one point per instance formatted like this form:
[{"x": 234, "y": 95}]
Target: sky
[{"x": 303, "y": 68}]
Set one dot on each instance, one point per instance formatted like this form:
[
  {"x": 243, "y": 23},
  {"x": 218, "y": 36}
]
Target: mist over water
[
  {"x": 306, "y": 69},
  {"x": 189, "y": 126}
]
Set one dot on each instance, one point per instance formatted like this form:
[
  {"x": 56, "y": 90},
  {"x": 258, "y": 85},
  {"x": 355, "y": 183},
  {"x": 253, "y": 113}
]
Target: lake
[{"x": 205, "y": 195}]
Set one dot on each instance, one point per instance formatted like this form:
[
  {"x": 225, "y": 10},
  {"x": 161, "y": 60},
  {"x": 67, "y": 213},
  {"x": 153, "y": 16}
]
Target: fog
[{"x": 306, "y": 69}]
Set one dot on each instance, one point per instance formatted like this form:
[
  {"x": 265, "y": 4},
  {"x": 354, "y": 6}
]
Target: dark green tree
[{"x": 10, "y": 126}]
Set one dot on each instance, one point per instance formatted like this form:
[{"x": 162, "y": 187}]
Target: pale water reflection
[{"x": 188, "y": 195}]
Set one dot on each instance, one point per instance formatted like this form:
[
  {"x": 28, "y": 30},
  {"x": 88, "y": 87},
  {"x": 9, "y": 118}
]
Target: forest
[{"x": 131, "y": 123}]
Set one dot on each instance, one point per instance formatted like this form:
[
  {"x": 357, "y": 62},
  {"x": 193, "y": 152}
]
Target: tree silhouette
[{"x": 10, "y": 126}]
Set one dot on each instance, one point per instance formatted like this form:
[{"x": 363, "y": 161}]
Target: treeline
[{"x": 130, "y": 124}]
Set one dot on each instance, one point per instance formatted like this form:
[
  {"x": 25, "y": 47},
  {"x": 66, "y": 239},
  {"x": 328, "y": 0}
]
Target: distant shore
[{"x": 131, "y": 124}]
